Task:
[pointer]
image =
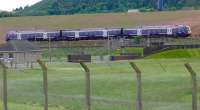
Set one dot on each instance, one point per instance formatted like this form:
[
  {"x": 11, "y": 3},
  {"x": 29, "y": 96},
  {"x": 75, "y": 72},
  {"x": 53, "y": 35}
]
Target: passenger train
[{"x": 101, "y": 33}]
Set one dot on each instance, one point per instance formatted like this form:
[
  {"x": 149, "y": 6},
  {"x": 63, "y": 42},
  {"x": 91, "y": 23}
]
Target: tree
[{"x": 5, "y": 14}]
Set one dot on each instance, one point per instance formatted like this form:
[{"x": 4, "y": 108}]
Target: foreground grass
[
  {"x": 177, "y": 53},
  {"x": 166, "y": 86}
]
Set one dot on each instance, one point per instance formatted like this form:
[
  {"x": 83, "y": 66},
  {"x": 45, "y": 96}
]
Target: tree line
[
  {"x": 62, "y": 7},
  {"x": 95, "y": 6}
]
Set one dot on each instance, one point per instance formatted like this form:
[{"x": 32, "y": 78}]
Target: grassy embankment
[{"x": 177, "y": 53}]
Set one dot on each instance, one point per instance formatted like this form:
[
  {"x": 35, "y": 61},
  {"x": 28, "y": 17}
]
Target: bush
[
  {"x": 146, "y": 9},
  {"x": 137, "y": 39}
]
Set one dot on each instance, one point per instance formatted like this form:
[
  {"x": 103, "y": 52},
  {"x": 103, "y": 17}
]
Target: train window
[
  {"x": 25, "y": 35},
  {"x": 40, "y": 35},
  {"x": 83, "y": 33},
  {"x": 98, "y": 33},
  {"x": 131, "y": 32},
  {"x": 53, "y": 34},
  {"x": 153, "y": 31},
  {"x": 31, "y": 35},
  {"x": 163, "y": 30},
  {"x": 95, "y": 33},
  {"x": 72, "y": 33},
  {"x": 184, "y": 30},
  {"x": 134, "y": 31},
  {"x": 145, "y": 31},
  {"x": 174, "y": 31},
  {"x": 114, "y": 32},
  {"x": 89, "y": 33},
  {"x": 180, "y": 30}
]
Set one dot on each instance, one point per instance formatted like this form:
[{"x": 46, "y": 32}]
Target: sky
[{"x": 9, "y": 5}]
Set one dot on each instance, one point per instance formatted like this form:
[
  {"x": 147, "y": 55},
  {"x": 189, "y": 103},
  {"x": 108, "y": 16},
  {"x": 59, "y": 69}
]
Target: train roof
[
  {"x": 36, "y": 31},
  {"x": 163, "y": 26}
]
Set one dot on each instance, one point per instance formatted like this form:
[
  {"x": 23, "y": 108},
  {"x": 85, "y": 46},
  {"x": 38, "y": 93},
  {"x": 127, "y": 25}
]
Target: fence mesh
[{"x": 166, "y": 84}]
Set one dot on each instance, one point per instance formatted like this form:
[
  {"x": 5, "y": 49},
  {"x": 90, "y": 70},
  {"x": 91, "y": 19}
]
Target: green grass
[
  {"x": 128, "y": 50},
  {"x": 166, "y": 86},
  {"x": 177, "y": 53}
]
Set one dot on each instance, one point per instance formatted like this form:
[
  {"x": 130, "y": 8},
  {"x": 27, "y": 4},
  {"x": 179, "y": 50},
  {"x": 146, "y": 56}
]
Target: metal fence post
[
  {"x": 194, "y": 86},
  {"x": 45, "y": 82},
  {"x": 87, "y": 85},
  {"x": 138, "y": 86},
  {"x": 5, "y": 91}
]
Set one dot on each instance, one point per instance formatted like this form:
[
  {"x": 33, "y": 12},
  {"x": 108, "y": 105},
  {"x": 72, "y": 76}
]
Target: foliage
[
  {"x": 5, "y": 14},
  {"x": 60, "y": 7},
  {"x": 137, "y": 39}
]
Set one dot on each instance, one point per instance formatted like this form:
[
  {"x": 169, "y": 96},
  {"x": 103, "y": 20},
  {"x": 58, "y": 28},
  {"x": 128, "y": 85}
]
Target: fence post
[
  {"x": 5, "y": 92},
  {"x": 194, "y": 86},
  {"x": 138, "y": 86},
  {"x": 87, "y": 85},
  {"x": 45, "y": 83}
]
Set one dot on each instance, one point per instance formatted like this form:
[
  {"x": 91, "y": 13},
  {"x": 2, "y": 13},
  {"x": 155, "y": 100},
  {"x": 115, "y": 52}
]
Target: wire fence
[{"x": 98, "y": 86}]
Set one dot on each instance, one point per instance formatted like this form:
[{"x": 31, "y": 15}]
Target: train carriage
[
  {"x": 129, "y": 32},
  {"x": 67, "y": 35},
  {"x": 102, "y": 33},
  {"x": 53, "y": 36},
  {"x": 93, "y": 34},
  {"x": 115, "y": 32}
]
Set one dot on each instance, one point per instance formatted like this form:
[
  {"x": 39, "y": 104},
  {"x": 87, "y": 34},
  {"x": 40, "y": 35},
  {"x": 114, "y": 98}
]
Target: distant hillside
[{"x": 60, "y": 7}]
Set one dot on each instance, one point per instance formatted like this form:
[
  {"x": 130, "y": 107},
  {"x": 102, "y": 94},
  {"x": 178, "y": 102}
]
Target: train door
[
  {"x": 45, "y": 36},
  {"x": 169, "y": 31},
  {"x": 19, "y": 37},
  {"x": 139, "y": 32},
  {"x": 105, "y": 33},
  {"x": 76, "y": 34}
]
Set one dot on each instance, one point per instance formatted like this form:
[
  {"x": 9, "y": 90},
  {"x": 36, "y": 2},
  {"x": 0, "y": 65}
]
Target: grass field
[
  {"x": 177, "y": 53},
  {"x": 91, "y": 20},
  {"x": 166, "y": 86}
]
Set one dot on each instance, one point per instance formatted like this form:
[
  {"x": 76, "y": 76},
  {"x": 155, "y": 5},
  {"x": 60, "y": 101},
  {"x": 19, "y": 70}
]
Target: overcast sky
[{"x": 9, "y": 5}]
